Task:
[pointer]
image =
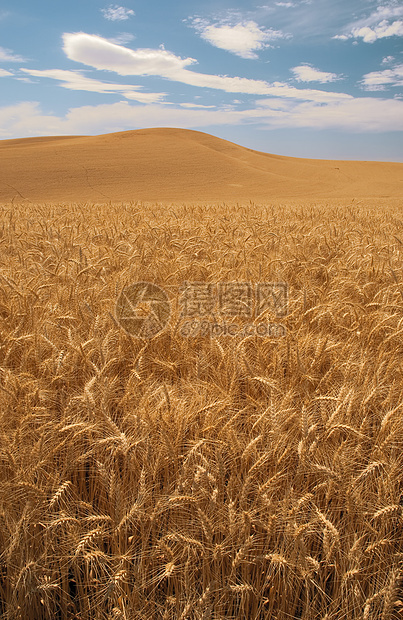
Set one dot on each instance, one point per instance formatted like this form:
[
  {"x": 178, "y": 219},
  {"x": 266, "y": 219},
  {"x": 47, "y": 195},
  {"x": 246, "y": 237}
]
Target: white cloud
[
  {"x": 361, "y": 114},
  {"x": 8, "y": 56},
  {"x": 26, "y": 119},
  {"x": 387, "y": 60},
  {"x": 380, "y": 24},
  {"x": 243, "y": 38},
  {"x": 4, "y": 73},
  {"x": 365, "y": 114},
  {"x": 379, "y": 80},
  {"x": 383, "y": 30},
  {"x": 122, "y": 38},
  {"x": 197, "y": 105},
  {"x": 281, "y": 89},
  {"x": 116, "y": 13},
  {"x": 387, "y": 11},
  {"x": 101, "y": 54},
  {"x": 74, "y": 80},
  {"x": 308, "y": 73},
  {"x": 286, "y": 5}
]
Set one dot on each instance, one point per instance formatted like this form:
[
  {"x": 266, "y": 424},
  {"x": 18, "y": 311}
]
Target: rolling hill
[{"x": 166, "y": 165}]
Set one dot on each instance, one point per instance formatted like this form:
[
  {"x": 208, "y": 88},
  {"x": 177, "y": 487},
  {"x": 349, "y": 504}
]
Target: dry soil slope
[{"x": 165, "y": 165}]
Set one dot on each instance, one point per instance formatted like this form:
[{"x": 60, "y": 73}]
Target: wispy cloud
[
  {"x": 243, "y": 38},
  {"x": 358, "y": 114},
  {"x": 9, "y": 56},
  {"x": 122, "y": 39},
  {"x": 284, "y": 90},
  {"x": 74, "y": 80},
  {"x": 365, "y": 114},
  {"x": 382, "y": 23},
  {"x": 101, "y": 54},
  {"x": 197, "y": 105},
  {"x": 4, "y": 73},
  {"x": 308, "y": 73},
  {"x": 380, "y": 80},
  {"x": 116, "y": 13}
]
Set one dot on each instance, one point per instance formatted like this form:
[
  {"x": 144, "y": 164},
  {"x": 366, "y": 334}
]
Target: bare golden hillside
[{"x": 165, "y": 165}]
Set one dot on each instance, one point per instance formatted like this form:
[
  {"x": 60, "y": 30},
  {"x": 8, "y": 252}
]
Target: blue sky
[{"x": 306, "y": 78}]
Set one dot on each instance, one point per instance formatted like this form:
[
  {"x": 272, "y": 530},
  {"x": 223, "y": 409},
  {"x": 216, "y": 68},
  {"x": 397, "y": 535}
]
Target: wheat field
[{"x": 201, "y": 477}]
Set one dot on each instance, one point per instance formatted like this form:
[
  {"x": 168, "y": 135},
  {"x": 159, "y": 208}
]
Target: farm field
[
  {"x": 202, "y": 471},
  {"x": 168, "y": 165}
]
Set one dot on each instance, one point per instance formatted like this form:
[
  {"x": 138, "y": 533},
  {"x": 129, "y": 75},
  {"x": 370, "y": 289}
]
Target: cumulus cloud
[
  {"x": 383, "y": 30},
  {"x": 243, "y": 38},
  {"x": 382, "y": 23},
  {"x": 379, "y": 80},
  {"x": 100, "y": 53},
  {"x": 8, "y": 56},
  {"x": 308, "y": 73},
  {"x": 74, "y": 80},
  {"x": 115, "y": 13}
]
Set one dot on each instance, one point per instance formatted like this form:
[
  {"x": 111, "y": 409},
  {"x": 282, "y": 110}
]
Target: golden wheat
[{"x": 201, "y": 476}]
